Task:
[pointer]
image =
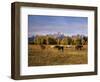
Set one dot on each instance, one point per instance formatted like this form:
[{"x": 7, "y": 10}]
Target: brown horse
[
  {"x": 78, "y": 47},
  {"x": 59, "y": 47},
  {"x": 42, "y": 46}
]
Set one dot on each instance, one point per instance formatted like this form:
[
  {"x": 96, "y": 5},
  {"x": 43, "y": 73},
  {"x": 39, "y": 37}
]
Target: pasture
[{"x": 38, "y": 56}]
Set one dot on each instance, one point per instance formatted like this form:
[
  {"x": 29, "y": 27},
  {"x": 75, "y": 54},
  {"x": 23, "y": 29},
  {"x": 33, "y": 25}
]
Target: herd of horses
[{"x": 61, "y": 47}]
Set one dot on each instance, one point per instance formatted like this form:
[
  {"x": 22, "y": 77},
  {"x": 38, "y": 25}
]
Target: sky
[{"x": 42, "y": 25}]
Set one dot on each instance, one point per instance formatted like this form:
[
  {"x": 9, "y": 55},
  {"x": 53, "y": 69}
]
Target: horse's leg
[{"x": 62, "y": 49}]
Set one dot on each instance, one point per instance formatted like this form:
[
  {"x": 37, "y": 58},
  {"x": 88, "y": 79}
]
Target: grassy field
[{"x": 51, "y": 56}]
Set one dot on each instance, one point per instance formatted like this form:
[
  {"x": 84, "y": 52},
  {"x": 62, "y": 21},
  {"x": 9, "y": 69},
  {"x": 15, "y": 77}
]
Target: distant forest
[{"x": 58, "y": 39}]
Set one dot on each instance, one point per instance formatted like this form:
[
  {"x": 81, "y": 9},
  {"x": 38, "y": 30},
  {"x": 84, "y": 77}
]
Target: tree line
[{"x": 66, "y": 40}]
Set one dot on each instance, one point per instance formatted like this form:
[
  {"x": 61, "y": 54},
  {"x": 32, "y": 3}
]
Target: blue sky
[{"x": 42, "y": 25}]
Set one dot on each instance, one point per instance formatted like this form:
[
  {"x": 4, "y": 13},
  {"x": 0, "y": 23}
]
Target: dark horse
[
  {"x": 59, "y": 47},
  {"x": 42, "y": 46},
  {"x": 78, "y": 47}
]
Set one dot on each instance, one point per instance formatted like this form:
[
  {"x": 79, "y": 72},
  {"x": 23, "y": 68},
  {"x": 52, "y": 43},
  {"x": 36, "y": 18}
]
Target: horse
[
  {"x": 59, "y": 47},
  {"x": 42, "y": 46},
  {"x": 68, "y": 46},
  {"x": 78, "y": 47}
]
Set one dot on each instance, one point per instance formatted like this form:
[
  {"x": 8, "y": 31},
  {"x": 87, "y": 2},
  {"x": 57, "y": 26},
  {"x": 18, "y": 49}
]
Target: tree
[
  {"x": 63, "y": 41},
  {"x": 73, "y": 42},
  {"x": 44, "y": 41},
  {"x": 84, "y": 40},
  {"x": 52, "y": 41},
  {"x": 78, "y": 41},
  {"x": 69, "y": 40}
]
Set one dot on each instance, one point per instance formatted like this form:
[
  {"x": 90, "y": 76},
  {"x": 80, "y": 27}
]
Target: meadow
[{"x": 51, "y": 56}]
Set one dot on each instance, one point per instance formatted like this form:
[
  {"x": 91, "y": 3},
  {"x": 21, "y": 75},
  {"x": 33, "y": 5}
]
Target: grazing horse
[
  {"x": 68, "y": 46},
  {"x": 78, "y": 47},
  {"x": 42, "y": 46},
  {"x": 59, "y": 47}
]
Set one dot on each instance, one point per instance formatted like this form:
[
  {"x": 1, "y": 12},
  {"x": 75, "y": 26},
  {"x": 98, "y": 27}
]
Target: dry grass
[{"x": 51, "y": 56}]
